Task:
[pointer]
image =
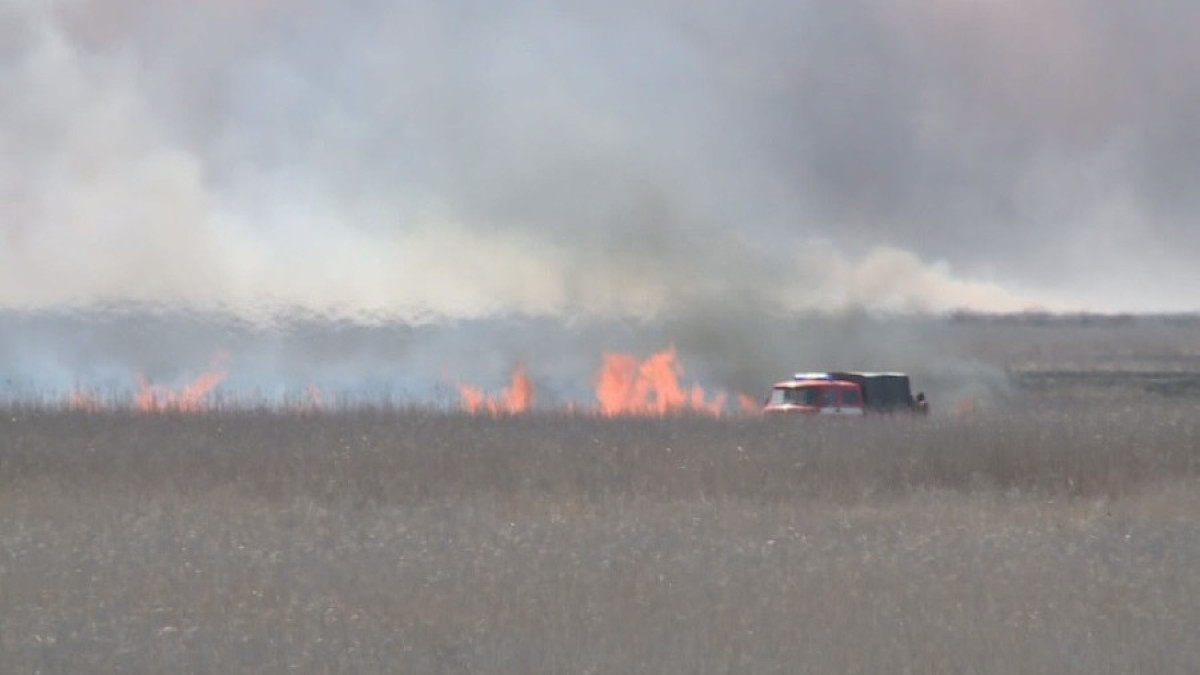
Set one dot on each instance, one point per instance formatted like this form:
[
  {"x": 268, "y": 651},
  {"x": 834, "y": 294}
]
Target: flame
[
  {"x": 625, "y": 386},
  {"x": 83, "y": 401},
  {"x": 748, "y": 404},
  {"x": 517, "y": 398},
  {"x": 191, "y": 398}
]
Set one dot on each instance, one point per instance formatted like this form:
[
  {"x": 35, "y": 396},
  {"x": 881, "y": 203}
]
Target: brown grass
[{"x": 1050, "y": 537}]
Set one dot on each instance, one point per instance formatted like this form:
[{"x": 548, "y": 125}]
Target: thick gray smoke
[
  {"x": 425, "y": 159},
  {"x": 415, "y": 162}
]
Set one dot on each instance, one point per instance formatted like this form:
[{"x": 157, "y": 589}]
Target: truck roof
[
  {"x": 835, "y": 375},
  {"x": 809, "y": 382},
  {"x": 812, "y": 375}
]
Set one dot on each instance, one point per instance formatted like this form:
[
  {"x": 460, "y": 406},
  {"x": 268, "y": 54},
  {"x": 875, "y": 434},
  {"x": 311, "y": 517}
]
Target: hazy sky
[{"x": 428, "y": 159}]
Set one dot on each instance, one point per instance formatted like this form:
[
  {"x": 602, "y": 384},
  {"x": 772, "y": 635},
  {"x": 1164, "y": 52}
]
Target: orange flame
[
  {"x": 517, "y": 398},
  {"x": 748, "y": 404},
  {"x": 191, "y": 398},
  {"x": 625, "y": 386},
  {"x": 83, "y": 401}
]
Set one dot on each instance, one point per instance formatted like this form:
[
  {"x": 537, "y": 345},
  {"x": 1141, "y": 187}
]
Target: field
[{"x": 1051, "y": 530}]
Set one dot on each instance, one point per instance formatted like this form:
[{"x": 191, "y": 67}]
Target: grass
[{"x": 1043, "y": 537}]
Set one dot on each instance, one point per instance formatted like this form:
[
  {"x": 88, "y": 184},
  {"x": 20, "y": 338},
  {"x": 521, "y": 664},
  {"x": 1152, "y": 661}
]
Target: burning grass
[
  {"x": 1047, "y": 540},
  {"x": 624, "y": 385}
]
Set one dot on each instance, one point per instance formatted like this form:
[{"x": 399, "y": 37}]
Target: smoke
[
  {"x": 702, "y": 171},
  {"x": 422, "y": 161}
]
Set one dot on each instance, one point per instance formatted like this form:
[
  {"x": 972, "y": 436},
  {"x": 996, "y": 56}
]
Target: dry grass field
[{"x": 1046, "y": 533}]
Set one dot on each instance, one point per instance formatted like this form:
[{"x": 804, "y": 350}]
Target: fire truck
[{"x": 845, "y": 393}]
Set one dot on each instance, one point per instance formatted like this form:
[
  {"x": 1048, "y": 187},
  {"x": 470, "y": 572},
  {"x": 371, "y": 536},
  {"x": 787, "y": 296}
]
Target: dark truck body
[{"x": 882, "y": 392}]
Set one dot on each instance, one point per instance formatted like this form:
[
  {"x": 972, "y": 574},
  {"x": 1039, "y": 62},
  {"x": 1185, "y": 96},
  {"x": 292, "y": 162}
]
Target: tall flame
[
  {"x": 625, "y": 386},
  {"x": 191, "y": 398},
  {"x": 517, "y": 398}
]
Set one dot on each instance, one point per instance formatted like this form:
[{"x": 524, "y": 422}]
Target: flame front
[
  {"x": 517, "y": 398},
  {"x": 623, "y": 386},
  {"x": 191, "y": 398},
  {"x": 626, "y": 386}
]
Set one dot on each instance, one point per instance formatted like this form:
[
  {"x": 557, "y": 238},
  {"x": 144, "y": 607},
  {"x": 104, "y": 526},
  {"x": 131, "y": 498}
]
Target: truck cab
[
  {"x": 818, "y": 395},
  {"x": 846, "y": 393}
]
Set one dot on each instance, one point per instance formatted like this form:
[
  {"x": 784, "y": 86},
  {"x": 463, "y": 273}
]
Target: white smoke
[
  {"x": 896, "y": 281},
  {"x": 417, "y": 161}
]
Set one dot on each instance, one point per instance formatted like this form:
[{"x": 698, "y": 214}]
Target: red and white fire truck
[{"x": 845, "y": 393}]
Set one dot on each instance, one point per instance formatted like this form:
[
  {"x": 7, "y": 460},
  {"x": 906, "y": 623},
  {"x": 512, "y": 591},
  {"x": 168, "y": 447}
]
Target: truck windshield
[{"x": 810, "y": 396}]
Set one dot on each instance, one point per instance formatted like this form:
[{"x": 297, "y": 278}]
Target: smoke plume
[
  {"x": 410, "y": 162},
  {"x": 420, "y": 160}
]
